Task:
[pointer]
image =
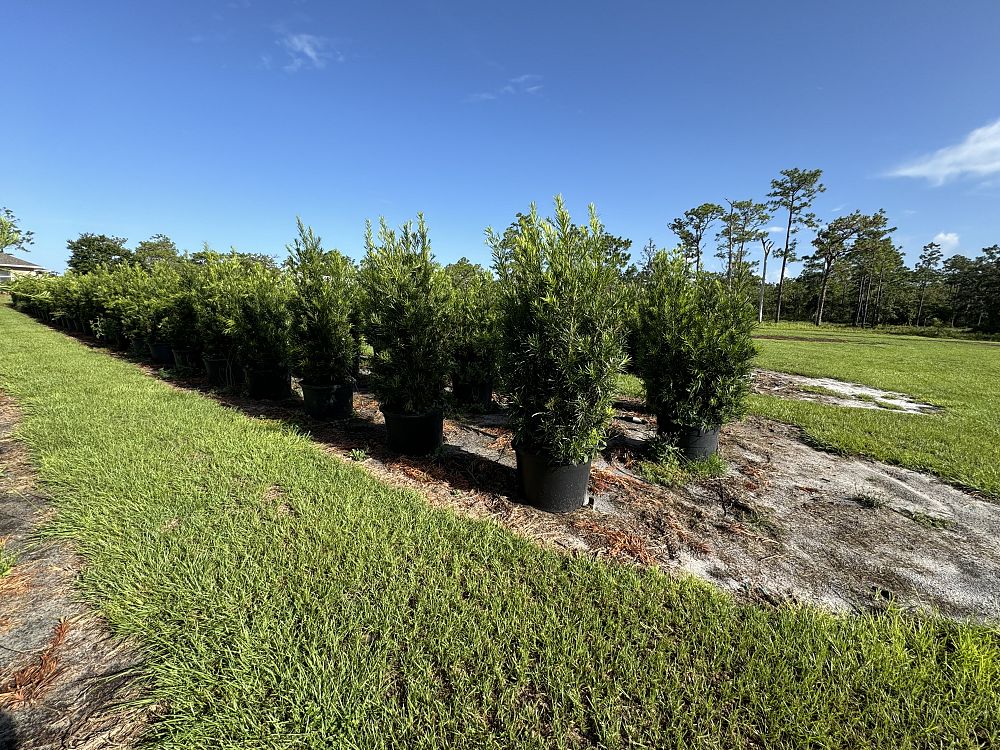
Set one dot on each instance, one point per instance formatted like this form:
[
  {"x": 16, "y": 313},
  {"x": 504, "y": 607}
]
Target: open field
[
  {"x": 961, "y": 443},
  {"x": 257, "y": 571}
]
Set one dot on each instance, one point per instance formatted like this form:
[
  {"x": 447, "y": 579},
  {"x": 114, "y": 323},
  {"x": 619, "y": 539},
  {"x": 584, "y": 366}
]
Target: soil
[
  {"x": 836, "y": 393},
  {"x": 63, "y": 677}
]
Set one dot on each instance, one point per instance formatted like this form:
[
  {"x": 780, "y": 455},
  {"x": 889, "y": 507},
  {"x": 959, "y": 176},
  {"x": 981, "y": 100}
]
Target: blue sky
[{"x": 220, "y": 121}]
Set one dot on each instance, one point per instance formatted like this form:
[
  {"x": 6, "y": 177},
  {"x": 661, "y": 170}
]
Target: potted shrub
[
  {"x": 260, "y": 329},
  {"x": 180, "y": 323},
  {"x": 406, "y": 321},
  {"x": 215, "y": 300},
  {"x": 324, "y": 344},
  {"x": 131, "y": 301},
  {"x": 165, "y": 284},
  {"x": 475, "y": 328},
  {"x": 695, "y": 351},
  {"x": 563, "y": 348}
]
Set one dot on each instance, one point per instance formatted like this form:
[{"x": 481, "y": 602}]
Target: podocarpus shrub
[
  {"x": 475, "y": 325},
  {"x": 165, "y": 279},
  {"x": 131, "y": 302},
  {"x": 323, "y": 338},
  {"x": 216, "y": 288},
  {"x": 406, "y": 319},
  {"x": 261, "y": 322},
  {"x": 179, "y": 326},
  {"x": 696, "y": 348},
  {"x": 562, "y": 332}
]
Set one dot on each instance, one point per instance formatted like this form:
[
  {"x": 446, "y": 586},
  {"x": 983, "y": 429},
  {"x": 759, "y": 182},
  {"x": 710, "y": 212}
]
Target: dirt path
[{"x": 63, "y": 677}]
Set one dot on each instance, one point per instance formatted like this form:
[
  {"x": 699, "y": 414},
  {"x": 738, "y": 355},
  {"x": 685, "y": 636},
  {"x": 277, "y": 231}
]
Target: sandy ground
[
  {"x": 63, "y": 677},
  {"x": 836, "y": 393}
]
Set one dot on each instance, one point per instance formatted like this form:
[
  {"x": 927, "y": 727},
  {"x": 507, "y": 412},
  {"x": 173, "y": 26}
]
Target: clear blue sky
[{"x": 220, "y": 120}]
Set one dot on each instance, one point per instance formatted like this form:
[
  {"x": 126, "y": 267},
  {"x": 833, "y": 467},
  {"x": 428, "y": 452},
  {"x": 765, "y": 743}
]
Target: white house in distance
[{"x": 11, "y": 267}]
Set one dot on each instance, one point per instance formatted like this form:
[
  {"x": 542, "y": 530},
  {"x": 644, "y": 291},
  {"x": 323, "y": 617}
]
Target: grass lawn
[
  {"x": 961, "y": 444},
  {"x": 287, "y": 599}
]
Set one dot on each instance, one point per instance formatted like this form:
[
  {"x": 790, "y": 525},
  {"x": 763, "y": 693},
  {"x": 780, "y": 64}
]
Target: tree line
[{"x": 853, "y": 272}]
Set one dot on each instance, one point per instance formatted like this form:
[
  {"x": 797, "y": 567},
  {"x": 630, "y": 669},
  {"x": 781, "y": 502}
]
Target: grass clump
[
  {"x": 7, "y": 561},
  {"x": 667, "y": 466},
  {"x": 351, "y": 614}
]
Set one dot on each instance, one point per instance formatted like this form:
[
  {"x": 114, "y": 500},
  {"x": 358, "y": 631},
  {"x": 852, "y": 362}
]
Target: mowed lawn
[
  {"x": 287, "y": 599},
  {"x": 961, "y": 444}
]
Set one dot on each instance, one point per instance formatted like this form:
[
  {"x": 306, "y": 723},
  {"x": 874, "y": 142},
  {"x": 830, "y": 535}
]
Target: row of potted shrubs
[{"x": 549, "y": 327}]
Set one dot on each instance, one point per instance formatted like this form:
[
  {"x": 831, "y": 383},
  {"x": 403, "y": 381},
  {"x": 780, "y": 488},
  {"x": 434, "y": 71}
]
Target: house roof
[{"x": 9, "y": 261}]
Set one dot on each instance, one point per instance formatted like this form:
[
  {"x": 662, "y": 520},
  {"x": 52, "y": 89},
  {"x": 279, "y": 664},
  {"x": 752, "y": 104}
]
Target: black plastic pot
[
  {"x": 161, "y": 353},
  {"x": 138, "y": 347},
  {"x": 551, "y": 487},
  {"x": 414, "y": 434},
  {"x": 328, "y": 401},
  {"x": 273, "y": 383},
  {"x": 695, "y": 443},
  {"x": 480, "y": 394},
  {"x": 217, "y": 370},
  {"x": 183, "y": 358}
]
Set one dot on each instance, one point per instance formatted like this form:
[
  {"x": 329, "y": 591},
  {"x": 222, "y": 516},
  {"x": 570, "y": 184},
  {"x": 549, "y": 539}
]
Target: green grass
[
  {"x": 7, "y": 561},
  {"x": 961, "y": 444},
  {"x": 631, "y": 386},
  {"x": 287, "y": 599},
  {"x": 669, "y": 468}
]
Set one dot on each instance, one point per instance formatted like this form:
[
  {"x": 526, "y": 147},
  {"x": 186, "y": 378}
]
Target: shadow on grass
[{"x": 455, "y": 465}]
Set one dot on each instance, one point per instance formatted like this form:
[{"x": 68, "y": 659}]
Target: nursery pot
[
  {"x": 328, "y": 401},
  {"x": 695, "y": 443},
  {"x": 414, "y": 434},
  {"x": 138, "y": 347},
  {"x": 274, "y": 383},
  {"x": 183, "y": 358},
  {"x": 480, "y": 393},
  {"x": 551, "y": 487},
  {"x": 217, "y": 370},
  {"x": 161, "y": 353}
]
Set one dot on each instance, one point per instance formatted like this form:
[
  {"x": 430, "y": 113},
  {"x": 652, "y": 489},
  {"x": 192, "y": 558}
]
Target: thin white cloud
[
  {"x": 776, "y": 230},
  {"x": 528, "y": 83},
  {"x": 976, "y": 156},
  {"x": 308, "y": 51},
  {"x": 947, "y": 240},
  {"x": 838, "y": 209}
]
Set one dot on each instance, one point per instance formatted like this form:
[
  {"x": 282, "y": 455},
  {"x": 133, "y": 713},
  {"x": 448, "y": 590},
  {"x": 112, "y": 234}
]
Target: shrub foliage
[
  {"x": 475, "y": 323},
  {"x": 562, "y": 331},
  {"x": 323, "y": 341},
  {"x": 695, "y": 348},
  {"x": 406, "y": 318}
]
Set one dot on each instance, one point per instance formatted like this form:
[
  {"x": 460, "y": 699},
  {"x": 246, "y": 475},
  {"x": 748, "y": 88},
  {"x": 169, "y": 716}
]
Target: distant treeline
[{"x": 853, "y": 273}]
